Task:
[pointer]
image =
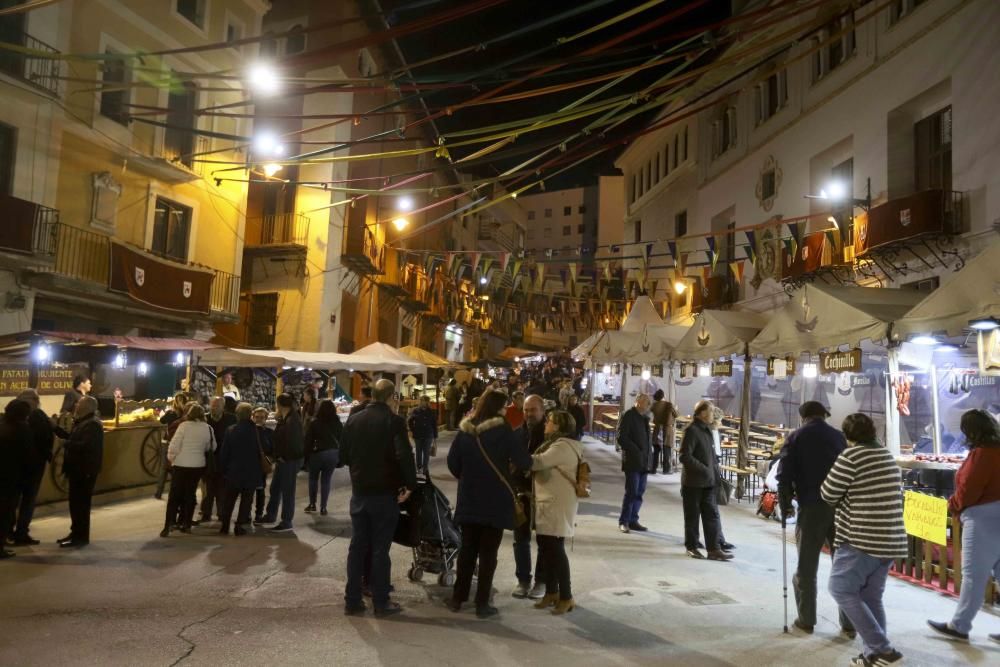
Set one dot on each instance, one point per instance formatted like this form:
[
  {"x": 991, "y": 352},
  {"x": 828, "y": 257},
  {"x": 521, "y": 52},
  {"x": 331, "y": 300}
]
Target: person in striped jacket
[{"x": 865, "y": 488}]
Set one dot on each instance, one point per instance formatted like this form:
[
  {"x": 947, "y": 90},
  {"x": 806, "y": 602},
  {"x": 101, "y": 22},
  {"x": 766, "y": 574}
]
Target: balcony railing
[
  {"x": 26, "y": 226},
  {"x": 491, "y": 231},
  {"x": 79, "y": 253},
  {"x": 40, "y": 72},
  {"x": 226, "y": 293},
  {"x": 362, "y": 252},
  {"x": 284, "y": 229}
]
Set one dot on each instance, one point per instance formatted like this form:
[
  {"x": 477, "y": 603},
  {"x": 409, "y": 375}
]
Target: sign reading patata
[
  {"x": 13, "y": 380},
  {"x": 840, "y": 362},
  {"x": 926, "y": 517}
]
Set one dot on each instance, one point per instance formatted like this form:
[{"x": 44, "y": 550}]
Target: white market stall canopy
[
  {"x": 426, "y": 358},
  {"x": 972, "y": 293},
  {"x": 383, "y": 357},
  {"x": 245, "y": 358},
  {"x": 824, "y": 317},
  {"x": 642, "y": 339},
  {"x": 718, "y": 333},
  {"x": 374, "y": 357}
]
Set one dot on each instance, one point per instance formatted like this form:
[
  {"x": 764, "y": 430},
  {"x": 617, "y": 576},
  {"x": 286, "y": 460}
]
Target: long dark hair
[
  {"x": 489, "y": 405},
  {"x": 980, "y": 428},
  {"x": 327, "y": 411}
]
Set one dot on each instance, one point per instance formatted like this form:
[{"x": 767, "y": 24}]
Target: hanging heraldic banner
[
  {"x": 789, "y": 366},
  {"x": 840, "y": 362},
  {"x": 722, "y": 368},
  {"x": 636, "y": 370}
]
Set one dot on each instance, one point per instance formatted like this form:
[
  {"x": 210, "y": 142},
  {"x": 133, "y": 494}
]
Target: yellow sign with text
[{"x": 926, "y": 517}]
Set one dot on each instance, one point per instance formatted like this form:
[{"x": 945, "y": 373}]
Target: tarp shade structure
[
  {"x": 642, "y": 339},
  {"x": 509, "y": 353},
  {"x": 718, "y": 333},
  {"x": 970, "y": 294},
  {"x": 821, "y": 317},
  {"x": 21, "y": 342},
  {"x": 245, "y": 358},
  {"x": 383, "y": 357},
  {"x": 428, "y": 359}
]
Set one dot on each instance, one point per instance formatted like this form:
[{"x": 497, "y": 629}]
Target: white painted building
[
  {"x": 905, "y": 95},
  {"x": 561, "y": 220}
]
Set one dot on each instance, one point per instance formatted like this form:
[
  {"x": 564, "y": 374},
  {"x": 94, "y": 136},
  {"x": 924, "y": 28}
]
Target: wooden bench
[{"x": 749, "y": 473}]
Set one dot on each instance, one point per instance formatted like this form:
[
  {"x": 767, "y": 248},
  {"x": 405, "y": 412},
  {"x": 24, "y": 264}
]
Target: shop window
[
  {"x": 567, "y": 229},
  {"x": 115, "y": 75},
  {"x": 178, "y": 137},
  {"x": 262, "y": 320},
  {"x": 8, "y": 149},
  {"x": 567, "y": 210},
  {"x": 932, "y": 151},
  {"x": 681, "y": 224},
  {"x": 171, "y": 229},
  {"x": 192, "y": 10}
]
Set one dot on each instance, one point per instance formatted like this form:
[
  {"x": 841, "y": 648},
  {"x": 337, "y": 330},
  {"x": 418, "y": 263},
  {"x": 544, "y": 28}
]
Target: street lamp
[
  {"x": 266, "y": 144},
  {"x": 679, "y": 287},
  {"x": 400, "y": 223},
  {"x": 271, "y": 168},
  {"x": 263, "y": 78},
  {"x": 483, "y": 280},
  {"x": 836, "y": 192},
  {"x": 405, "y": 204}
]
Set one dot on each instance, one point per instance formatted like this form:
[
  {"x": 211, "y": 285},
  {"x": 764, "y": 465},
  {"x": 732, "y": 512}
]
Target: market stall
[
  {"x": 133, "y": 379},
  {"x": 429, "y": 389}
]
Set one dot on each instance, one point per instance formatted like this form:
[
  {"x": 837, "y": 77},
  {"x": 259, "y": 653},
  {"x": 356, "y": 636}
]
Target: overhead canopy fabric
[
  {"x": 511, "y": 353},
  {"x": 819, "y": 317},
  {"x": 642, "y": 339},
  {"x": 245, "y": 358},
  {"x": 426, "y": 358},
  {"x": 717, "y": 333},
  {"x": 971, "y": 293},
  {"x": 642, "y": 315},
  {"x": 382, "y": 357},
  {"x": 21, "y": 342}
]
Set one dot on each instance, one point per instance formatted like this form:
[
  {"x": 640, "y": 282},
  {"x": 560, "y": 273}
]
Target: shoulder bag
[
  {"x": 266, "y": 464},
  {"x": 520, "y": 516},
  {"x": 582, "y": 482}
]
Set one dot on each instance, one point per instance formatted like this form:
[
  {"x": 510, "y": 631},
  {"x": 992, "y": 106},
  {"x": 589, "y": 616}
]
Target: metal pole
[
  {"x": 784, "y": 567},
  {"x": 935, "y": 410},
  {"x": 593, "y": 388},
  {"x": 891, "y": 413},
  {"x": 744, "y": 442}
]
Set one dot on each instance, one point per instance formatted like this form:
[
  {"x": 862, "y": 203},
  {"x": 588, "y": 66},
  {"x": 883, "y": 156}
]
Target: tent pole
[
  {"x": 744, "y": 441},
  {"x": 592, "y": 386},
  {"x": 891, "y": 413},
  {"x": 935, "y": 409}
]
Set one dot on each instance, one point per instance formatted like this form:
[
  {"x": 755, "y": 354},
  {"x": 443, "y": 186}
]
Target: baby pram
[{"x": 426, "y": 526}]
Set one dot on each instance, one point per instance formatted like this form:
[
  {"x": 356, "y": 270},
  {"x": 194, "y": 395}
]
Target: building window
[
  {"x": 684, "y": 145},
  {"x": 637, "y": 231},
  {"x": 296, "y": 41},
  {"x": 114, "y": 102},
  {"x": 902, "y": 8},
  {"x": 262, "y": 320},
  {"x": 531, "y": 215},
  {"x": 932, "y": 151},
  {"x": 548, "y": 213},
  {"x": 677, "y": 151},
  {"x": 193, "y": 11},
  {"x": 531, "y": 234},
  {"x": 567, "y": 210},
  {"x": 724, "y": 131},
  {"x": 547, "y": 233},
  {"x": 178, "y": 137},
  {"x": 681, "y": 224},
  {"x": 567, "y": 230},
  {"x": 8, "y": 150},
  {"x": 581, "y": 209},
  {"x": 657, "y": 171},
  {"x": 837, "y": 40},
  {"x": 770, "y": 96},
  {"x": 768, "y": 184},
  {"x": 234, "y": 33},
  {"x": 580, "y": 228},
  {"x": 171, "y": 229}
]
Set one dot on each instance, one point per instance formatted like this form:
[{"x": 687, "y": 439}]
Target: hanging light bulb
[
  {"x": 271, "y": 168},
  {"x": 607, "y": 369}
]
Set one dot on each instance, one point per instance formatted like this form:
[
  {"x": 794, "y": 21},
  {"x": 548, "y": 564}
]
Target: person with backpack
[{"x": 555, "y": 469}]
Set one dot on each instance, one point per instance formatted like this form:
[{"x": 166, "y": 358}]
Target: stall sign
[
  {"x": 13, "y": 379},
  {"x": 636, "y": 370},
  {"x": 722, "y": 368},
  {"x": 53, "y": 381},
  {"x": 789, "y": 365},
  {"x": 657, "y": 370},
  {"x": 840, "y": 362},
  {"x": 926, "y": 517},
  {"x": 616, "y": 369}
]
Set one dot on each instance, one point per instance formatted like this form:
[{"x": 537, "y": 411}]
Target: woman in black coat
[
  {"x": 322, "y": 447},
  {"x": 15, "y": 447},
  {"x": 240, "y": 469},
  {"x": 485, "y": 505}
]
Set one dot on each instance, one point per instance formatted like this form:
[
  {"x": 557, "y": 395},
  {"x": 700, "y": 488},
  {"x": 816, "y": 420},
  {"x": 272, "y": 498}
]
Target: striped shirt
[{"x": 865, "y": 486}]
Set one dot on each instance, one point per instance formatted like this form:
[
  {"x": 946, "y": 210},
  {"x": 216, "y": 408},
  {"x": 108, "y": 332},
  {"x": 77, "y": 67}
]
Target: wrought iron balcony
[
  {"x": 226, "y": 293},
  {"x": 27, "y": 226},
  {"x": 362, "y": 253},
  {"x": 38, "y": 71},
  {"x": 271, "y": 234}
]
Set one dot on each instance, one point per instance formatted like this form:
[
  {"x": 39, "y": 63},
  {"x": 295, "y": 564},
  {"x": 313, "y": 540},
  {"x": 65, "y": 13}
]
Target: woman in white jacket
[
  {"x": 554, "y": 468},
  {"x": 187, "y": 454}
]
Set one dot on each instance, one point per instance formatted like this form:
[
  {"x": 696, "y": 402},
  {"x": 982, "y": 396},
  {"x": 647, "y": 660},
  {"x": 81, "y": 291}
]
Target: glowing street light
[
  {"x": 266, "y": 144},
  {"x": 264, "y": 79},
  {"x": 400, "y": 223},
  {"x": 483, "y": 280},
  {"x": 405, "y": 204},
  {"x": 271, "y": 168},
  {"x": 679, "y": 287}
]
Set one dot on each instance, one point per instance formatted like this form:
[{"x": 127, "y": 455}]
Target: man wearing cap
[{"x": 805, "y": 460}]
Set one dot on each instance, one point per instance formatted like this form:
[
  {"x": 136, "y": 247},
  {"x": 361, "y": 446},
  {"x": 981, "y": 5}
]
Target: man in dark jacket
[
  {"x": 698, "y": 480},
  {"x": 531, "y": 434},
  {"x": 42, "y": 439},
  {"x": 424, "y": 428},
  {"x": 239, "y": 466},
  {"x": 81, "y": 388},
  {"x": 220, "y": 420},
  {"x": 377, "y": 452},
  {"x": 805, "y": 461},
  {"x": 84, "y": 454},
  {"x": 633, "y": 439},
  {"x": 366, "y": 399},
  {"x": 15, "y": 451},
  {"x": 259, "y": 416},
  {"x": 289, "y": 451}
]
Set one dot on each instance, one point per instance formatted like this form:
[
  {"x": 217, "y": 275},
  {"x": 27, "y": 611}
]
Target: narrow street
[{"x": 134, "y": 598}]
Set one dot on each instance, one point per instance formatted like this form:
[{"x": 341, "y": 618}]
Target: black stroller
[{"x": 427, "y": 527}]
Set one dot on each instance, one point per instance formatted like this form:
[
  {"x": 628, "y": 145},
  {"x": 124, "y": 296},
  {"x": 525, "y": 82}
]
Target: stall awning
[
  {"x": 21, "y": 343},
  {"x": 383, "y": 357},
  {"x": 718, "y": 333},
  {"x": 973, "y": 292},
  {"x": 426, "y": 358},
  {"x": 243, "y": 358},
  {"x": 510, "y": 353},
  {"x": 643, "y": 338},
  {"x": 823, "y": 317}
]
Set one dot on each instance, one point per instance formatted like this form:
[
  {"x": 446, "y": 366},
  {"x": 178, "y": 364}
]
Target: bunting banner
[
  {"x": 738, "y": 267},
  {"x": 504, "y": 259},
  {"x": 706, "y": 273},
  {"x": 487, "y": 263},
  {"x": 790, "y": 246},
  {"x": 711, "y": 241},
  {"x": 752, "y": 238},
  {"x": 564, "y": 277},
  {"x": 672, "y": 248},
  {"x": 474, "y": 262},
  {"x": 748, "y": 250},
  {"x": 832, "y": 238},
  {"x": 517, "y": 267},
  {"x": 573, "y": 267},
  {"x": 681, "y": 263},
  {"x": 449, "y": 258},
  {"x": 606, "y": 269},
  {"x": 539, "y": 277},
  {"x": 796, "y": 231}
]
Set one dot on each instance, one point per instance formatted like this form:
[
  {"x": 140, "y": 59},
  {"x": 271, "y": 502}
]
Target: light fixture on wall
[
  {"x": 271, "y": 168},
  {"x": 836, "y": 192},
  {"x": 679, "y": 286},
  {"x": 924, "y": 340},
  {"x": 809, "y": 370},
  {"x": 143, "y": 368},
  {"x": 121, "y": 360},
  {"x": 42, "y": 353},
  {"x": 704, "y": 370},
  {"x": 984, "y": 323},
  {"x": 645, "y": 374},
  {"x": 404, "y": 204},
  {"x": 607, "y": 369},
  {"x": 400, "y": 223}
]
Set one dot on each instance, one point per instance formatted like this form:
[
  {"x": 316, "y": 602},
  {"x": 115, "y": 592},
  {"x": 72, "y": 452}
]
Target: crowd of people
[{"x": 517, "y": 465}]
